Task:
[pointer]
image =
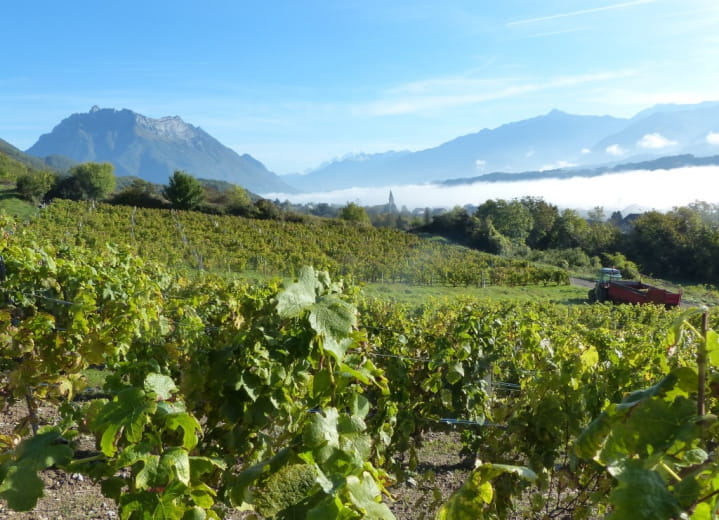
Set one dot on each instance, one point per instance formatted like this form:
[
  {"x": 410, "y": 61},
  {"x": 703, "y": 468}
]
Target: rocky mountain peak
[{"x": 152, "y": 149}]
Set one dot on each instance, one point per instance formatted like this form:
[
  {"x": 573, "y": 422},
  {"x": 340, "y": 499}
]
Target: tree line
[{"x": 681, "y": 244}]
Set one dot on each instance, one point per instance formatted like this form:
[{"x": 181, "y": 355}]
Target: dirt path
[{"x": 579, "y": 282}]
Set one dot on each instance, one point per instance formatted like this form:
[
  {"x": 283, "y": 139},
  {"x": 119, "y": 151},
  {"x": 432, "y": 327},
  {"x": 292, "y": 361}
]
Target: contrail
[{"x": 583, "y": 11}]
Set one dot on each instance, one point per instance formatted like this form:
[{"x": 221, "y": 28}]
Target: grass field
[{"x": 418, "y": 294}]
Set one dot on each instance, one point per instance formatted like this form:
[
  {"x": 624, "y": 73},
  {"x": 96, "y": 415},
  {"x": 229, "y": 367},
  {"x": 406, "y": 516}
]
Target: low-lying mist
[{"x": 640, "y": 189}]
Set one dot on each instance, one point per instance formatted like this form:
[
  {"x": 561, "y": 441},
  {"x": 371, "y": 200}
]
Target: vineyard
[
  {"x": 306, "y": 400},
  {"x": 234, "y": 244}
]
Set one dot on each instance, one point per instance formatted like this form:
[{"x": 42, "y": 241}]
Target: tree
[
  {"x": 95, "y": 180},
  {"x": 354, "y": 213},
  {"x": 512, "y": 219},
  {"x": 544, "y": 215},
  {"x": 139, "y": 193},
  {"x": 183, "y": 191},
  {"x": 33, "y": 186},
  {"x": 264, "y": 209},
  {"x": 238, "y": 200}
]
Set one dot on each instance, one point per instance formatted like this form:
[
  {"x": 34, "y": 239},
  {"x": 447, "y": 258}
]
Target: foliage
[
  {"x": 680, "y": 244},
  {"x": 656, "y": 443},
  {"x": 271, "y": 354},
  {"x": 354, "y": 213},
  {"x": 225, "y": 392},
  {"x": 183, "y": 191},
  {"x": 95, "y": 181},
  {"x": 526, "y": 379},
  {"x": 139, "y": 193},
  {"x": 34, "y": 186},
  {"x": 228, "y": 243}
]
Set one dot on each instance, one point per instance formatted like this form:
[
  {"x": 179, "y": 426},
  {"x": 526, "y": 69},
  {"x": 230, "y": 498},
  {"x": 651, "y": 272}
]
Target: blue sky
[{"x": 296, "y": 83}]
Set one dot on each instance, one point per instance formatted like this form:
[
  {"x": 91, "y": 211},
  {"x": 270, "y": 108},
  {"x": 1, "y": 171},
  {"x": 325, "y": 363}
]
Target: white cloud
[
  {"x": 557, "y": 165},
  {"x": 670, "y": 188},
  {"x": 529, "y": 153},
  {"x": 614, "y": 150},
  {"x": 480, "y": 164},
  {"x": 713, "y": 138},
  {"x": 655, "y": 141},
  {"x": 586, "y": 151},
  {"x": 569, "y": 14}
]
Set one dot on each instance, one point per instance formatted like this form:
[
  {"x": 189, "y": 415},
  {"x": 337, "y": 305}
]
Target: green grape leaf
[
  {"x": 454, "y": 373},
  {"x": 190, "y": 428},
  {"x": 712, "y": 347},
  {"x": 702, "y": 511},
  {"x": 653, "y": 425},
  {"x": 128, "y": 413},
  {"x": 298, "y": 296},
  {"x": 642, "y": 494},
  {"x": 364, "y": 495},
  {"x": 200, "y": 466},
  {"x": 472, "y": 499},
  {"x": 330, "y": 507},
  {"x": 322, "y": 429},
  {"x": 590, "y": 442},
  {"x": 20, "y": 485},
  {"x": 113, "y": 487},
  {"x": 332, "y": 317},
  {"x": 150, "y": 474},
  {"x": 196, "y": 513},
  {"x": 336, "y": 348},
  {"x": 44, "y": 449},
  {"x": 161, "y": 385},
  {"x": 203, "y": 495},
  {"x": 359, "y": 405},
  {"x": 590, "y": 358},
  {"x": 177, "y": 463},
  {"x": 520, "y": 471}
]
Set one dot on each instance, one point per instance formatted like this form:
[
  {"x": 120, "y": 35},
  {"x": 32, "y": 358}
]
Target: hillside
[
  {"x": 152, "y": 149},
  {"x": 235, "y": 244}
]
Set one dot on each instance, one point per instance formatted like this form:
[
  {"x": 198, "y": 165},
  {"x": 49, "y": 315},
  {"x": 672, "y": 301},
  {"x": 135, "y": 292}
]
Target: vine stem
[
  {"x": 702, "y": 365},
  {"x": 32, "y": 411}
]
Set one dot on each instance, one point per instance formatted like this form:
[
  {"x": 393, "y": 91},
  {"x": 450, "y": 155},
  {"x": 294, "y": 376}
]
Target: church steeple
[{"x": 391, "y": 206}]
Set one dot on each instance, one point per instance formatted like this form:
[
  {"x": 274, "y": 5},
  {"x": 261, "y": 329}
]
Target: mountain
[
  {"x": 351, "y": 166},
  {"x": 667, "y": 130},
  {"x": 662, "y": 163},
  {"x": 54, "y": 162},
  {"x": 550, "y": 141},
  {"x": 152, "y": 149},
  {"x": 554, "y": 141}
]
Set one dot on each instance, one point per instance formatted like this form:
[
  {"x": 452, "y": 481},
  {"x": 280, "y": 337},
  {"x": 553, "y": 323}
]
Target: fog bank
[{"x": 658, "y": 189}]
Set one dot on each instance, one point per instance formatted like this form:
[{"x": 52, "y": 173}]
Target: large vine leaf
[
  {"x": 365, "y": 495},
  {"x": 472, "y": 500},
  {"x": 19, "y": 483},
  {"x": 127, "y": 415},
  {"x": 332, "y": 317},
  {"x": 642, "y": 494},
  {"x": 299, "y": 295}
]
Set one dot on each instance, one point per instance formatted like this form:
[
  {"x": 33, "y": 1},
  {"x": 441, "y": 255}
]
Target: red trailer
[{"x": 610, "y": 287}]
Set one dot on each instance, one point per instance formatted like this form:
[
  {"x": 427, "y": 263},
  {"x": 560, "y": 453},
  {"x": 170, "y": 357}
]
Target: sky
[{"x": 296, "y": 83}]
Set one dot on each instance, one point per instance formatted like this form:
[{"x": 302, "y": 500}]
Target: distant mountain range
[
  {"x": 555, "y": 141},
  {"x": 152, "y": 149},
  {"x": 556, "y": 144},
  {"x": 662, "y": 163}
]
